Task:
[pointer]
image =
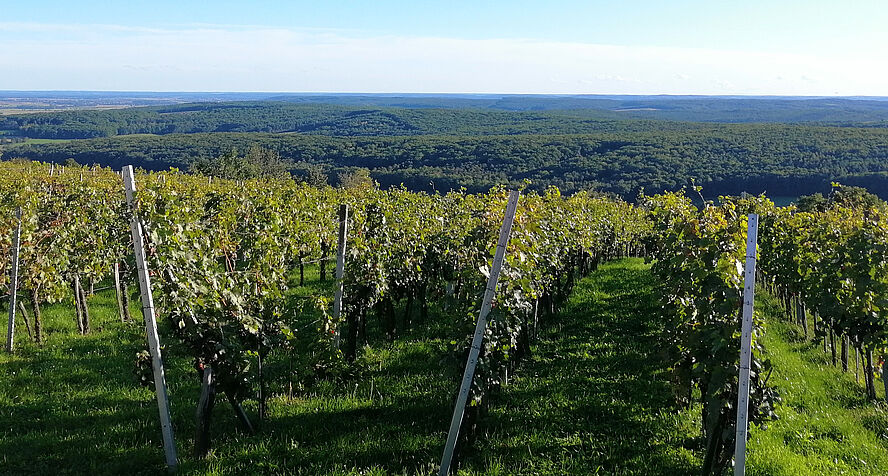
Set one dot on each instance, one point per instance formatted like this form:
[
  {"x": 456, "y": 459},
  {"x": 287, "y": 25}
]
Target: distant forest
[
  {"x": 375, "y": 116},
  {"x": 332, "y": 120},
  {"x": 428, "y": 148}
]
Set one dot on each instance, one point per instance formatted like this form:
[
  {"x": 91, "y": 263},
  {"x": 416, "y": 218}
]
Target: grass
[
  {"x": 594, "y": 398},
  {"x": 73, "y": 406},
  {"x": 827, "y": 426}
]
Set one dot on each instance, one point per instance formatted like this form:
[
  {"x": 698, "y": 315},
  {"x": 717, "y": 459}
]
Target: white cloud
[{"x": 246, "y": 58}]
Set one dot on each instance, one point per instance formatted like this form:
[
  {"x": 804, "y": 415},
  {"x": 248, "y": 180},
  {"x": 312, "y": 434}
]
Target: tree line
[
  {"x": 377, "y": 116},
  {"x": 321, "y": 119},
  {"x": 783, "y": 160}
]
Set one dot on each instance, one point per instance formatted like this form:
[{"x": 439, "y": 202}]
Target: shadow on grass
[
  {"x": 390, "y": 421},
  {"x": 72, "y": 406},
  {"x": 595, "y": 399}
]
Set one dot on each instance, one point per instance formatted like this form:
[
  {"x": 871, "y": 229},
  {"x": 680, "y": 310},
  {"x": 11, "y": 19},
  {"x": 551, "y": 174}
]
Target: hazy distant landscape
[
  {"x": 832, "y": 109},
  {"x": 617, "y": 144}
]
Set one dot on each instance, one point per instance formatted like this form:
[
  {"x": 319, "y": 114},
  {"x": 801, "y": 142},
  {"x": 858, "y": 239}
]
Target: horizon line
[{"x": 396, "y": 93}]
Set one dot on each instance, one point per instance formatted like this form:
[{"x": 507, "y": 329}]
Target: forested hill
[
  {"x": 323, "y": 119},
  {"x": 444, "y": 142},
  {"x": 458, "y": 115},
  {"x": 724, "y": 158},
  {"x": 731, "y": 109}
]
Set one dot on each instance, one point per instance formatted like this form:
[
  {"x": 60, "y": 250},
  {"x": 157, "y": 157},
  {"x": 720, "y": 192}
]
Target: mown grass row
[{"x": 596, "y": 397}]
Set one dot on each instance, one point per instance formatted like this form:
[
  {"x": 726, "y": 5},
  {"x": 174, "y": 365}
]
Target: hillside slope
[{"x": 595, "y": 398}]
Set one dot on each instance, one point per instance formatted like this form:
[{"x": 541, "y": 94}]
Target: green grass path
[{"x": 594, "y": 398}]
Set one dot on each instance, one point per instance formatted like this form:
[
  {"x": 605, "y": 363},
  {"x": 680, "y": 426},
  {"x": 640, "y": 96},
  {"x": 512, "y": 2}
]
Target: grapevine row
[
  {"x": 223, "y": 253},
  {"x": 829, "y": 261},
  {"x": 699, "y": 262}
]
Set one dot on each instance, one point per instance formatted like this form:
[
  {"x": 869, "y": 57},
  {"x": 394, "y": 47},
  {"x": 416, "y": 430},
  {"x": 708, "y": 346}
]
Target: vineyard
[{"x": 286, "y": 301}]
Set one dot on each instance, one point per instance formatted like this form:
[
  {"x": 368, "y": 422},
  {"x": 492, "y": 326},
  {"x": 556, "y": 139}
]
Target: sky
[{"x": 750, "y": 47}]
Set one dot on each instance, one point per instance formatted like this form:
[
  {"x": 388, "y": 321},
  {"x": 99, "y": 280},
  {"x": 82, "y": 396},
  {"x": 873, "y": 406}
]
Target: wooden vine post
[
  {"x": 169, "y": 444},
  {"x": 745, "y": 348},
  {"x": 13, "y": 280},
  {"x": 204, "y": 411},
  {"x": 480, "y": 327},
  {"x": 118, "y": 292},
  {"x": 340, "y": 270}
]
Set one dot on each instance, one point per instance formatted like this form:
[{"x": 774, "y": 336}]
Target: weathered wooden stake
[
  {"x": 832, "y": 344},
  {"x": 204, "y": 413},
  {"x": 25, "y": 318},
  {"x": 325, "y": 248},
  {"x": 489, "y": 293},
  {"x": 857, "y": 364},
  {"x": 81, "y": 302},
  {"x": 746, "y": 347},
  {"x": 169, "y": 444},
  {"x": 340, "y": 270},
  {"x": 118, "y": 292},
  {"x": 803, "y": 315},
  {"x": 302, "y": 256},
  {"x": 240, "y": 414},
  {"x": 13, "y": 280},
  {"x": 85, "y": 304},
  {"x": 885, "y": 377},
  {"x": 869, "y": 375},
  {"x": 78, "y": 310},
  {"x": 38, "y": 320}
]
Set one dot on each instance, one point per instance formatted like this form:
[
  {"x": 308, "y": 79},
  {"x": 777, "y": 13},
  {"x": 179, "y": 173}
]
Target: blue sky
[{"x": 809, "y": 47}]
